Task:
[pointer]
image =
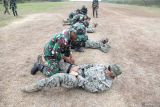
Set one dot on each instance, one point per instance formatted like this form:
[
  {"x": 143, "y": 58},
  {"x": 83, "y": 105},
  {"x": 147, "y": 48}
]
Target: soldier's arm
[{"x": 86, "y": 66}]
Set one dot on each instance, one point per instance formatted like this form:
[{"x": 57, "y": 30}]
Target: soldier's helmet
[
  {"x": 116, "y": 69},
  {"x": 78, "y": 11},
  {"x": 83, "y": 7},
  {"x": 81, "y": 29}
]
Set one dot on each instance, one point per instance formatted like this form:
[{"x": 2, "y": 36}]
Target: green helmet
[{"x": 80, "y": 28}]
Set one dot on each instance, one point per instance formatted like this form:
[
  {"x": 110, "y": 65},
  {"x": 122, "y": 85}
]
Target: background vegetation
[
  {"x": 136, "y": 2},
  {"x": 28, "y": 8}
]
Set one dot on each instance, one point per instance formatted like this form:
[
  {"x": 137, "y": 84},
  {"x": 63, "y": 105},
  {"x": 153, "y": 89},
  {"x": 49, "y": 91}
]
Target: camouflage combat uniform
[
  {"x": 75, "y": 19},
  {"x": 53, "y": 53},
  {"x": 84, "y": 10},
  {"x": 95, "y": 6},
  {"x": 13, "y": 6},
  {"x": 90, "y": 29},
  {"x": 5, "y": 4},
  {"x": 83, "y": 41},
  {"x": 91, "y": 77}
]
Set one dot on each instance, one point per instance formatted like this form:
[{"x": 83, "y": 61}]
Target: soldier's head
[
  {"x": 73, "y": 34},
  {"x": 86, "y": 18},
  {"x": 86, "y": 23},
  {"x": 113, "y": 71},
  {"x": 81, "y": 29},
  {"x": 83, "y": 7},
  {"x": 78, "y": 11}
]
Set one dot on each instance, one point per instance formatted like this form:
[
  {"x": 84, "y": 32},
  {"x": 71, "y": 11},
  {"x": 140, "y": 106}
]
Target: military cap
[{"x": 115, "y": 69}]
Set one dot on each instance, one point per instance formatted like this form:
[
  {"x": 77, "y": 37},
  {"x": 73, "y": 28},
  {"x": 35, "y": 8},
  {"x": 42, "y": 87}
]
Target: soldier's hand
[{"x": 73, "y": 73}]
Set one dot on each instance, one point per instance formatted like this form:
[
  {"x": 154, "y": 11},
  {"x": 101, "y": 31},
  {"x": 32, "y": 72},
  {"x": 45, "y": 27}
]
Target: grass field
[
  {"x": 39, "y": 7},
  {"x": 29, "y": 8},
  {"x": 136, "y": 2}
]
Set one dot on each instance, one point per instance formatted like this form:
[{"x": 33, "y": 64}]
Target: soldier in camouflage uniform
[
  {"x": 13, "y": 6},
  {"x": 84, "y": 10},
  {"x": 75, "y": 19},
  {"x": 95, "y": 6},
  {"x": 91, "y": 77},
  {"x": 89, "y": 28},
  {"x": 83, "y": 41},
  {"x": 55, "y": 50},
  {"x": 71, "y": 15},
  {"x": 5, "y": 4}
]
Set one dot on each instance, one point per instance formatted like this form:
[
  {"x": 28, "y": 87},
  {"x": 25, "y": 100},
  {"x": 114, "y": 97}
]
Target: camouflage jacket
[
  {"x": 81, "y": 32},
  {"x": 95, "y": 3},
  {"x": 92, "y": 77},
  {"x": 13, "y": 4},
  {"x": 77, "y": 18},
  {"x": 53, "y": 50}
]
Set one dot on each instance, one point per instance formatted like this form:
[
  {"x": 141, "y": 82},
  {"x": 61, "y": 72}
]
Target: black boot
[
  {"x": 79, "y": 49},
  {"x": 37, "y": 67}
]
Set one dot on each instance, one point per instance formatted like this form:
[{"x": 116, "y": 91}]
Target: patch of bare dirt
[{"x": 135, "y": 45}]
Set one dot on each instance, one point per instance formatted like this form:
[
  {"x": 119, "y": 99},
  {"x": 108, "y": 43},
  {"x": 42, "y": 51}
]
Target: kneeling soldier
[{"x": 55, "y": 50}]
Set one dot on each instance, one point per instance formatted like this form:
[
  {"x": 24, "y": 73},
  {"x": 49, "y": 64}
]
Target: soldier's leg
[
  {"x": 93, "y": 11},
  {"x": 8, "y": 11},
  {"x": 90, "y": 29},
  {"x": 16, "y": 12},
  {"x": 13, "y": 11},
  {"x": 57, "y": 80},
  {"x": 5, "y": 11},
  {"x": 97, "y": 45},
  {"x": 51, "y": 68},
  {"x": 96, "y": 13}
]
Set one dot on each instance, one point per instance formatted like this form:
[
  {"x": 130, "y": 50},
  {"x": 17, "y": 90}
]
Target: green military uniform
[
  {"x": 71, "y": 16},
  {"x": 90, "y": 29},
  {"x": 75, "y": 19},
  {"x": 95, "y": 6},
  {"x": 53, "y": 53},
  {"x": 81, "y": 32},
  {"x": 83, "y": 41},
  {"x": 104, "y": 47},
  {"x": 91, "y": 77},
  {"x": 13, "y": 6},
  {"x": 5, "y": 4},
  {"x": 84, "y": 10}
]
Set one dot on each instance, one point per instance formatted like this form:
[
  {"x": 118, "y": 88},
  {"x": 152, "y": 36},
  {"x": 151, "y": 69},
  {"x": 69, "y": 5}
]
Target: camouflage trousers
[
  {"x": 58, "y": 80},
  {"x": 6, "y": 10},
  {"x": 51, "y": 67},
  {"x": 14, "y": 11},
  {"x": 97, "y": 45},
  {"x": 90, "y": 29}
]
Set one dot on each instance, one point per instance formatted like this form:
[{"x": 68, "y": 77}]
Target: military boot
[
  {"x": 79, "y": 49},
  {"x": 30, "y": 88},
  {"x": 37, "y": 67}
]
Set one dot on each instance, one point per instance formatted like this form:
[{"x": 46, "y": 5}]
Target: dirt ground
[{"x": 135, "y": 39}]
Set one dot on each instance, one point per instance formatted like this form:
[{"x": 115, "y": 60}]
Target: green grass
[
  {"x": 136, "y": 2},
  {"x": 29, "y": 8}
]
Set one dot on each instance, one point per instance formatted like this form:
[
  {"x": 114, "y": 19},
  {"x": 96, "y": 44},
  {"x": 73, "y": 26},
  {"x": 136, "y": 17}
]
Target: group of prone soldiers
[
  {"x": 12, "y": 6},
  {"x": 58, "y": 65}
]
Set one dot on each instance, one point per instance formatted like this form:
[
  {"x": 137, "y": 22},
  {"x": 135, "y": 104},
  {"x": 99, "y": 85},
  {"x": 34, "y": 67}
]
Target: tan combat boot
[{"x": 30, "y": 88}]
